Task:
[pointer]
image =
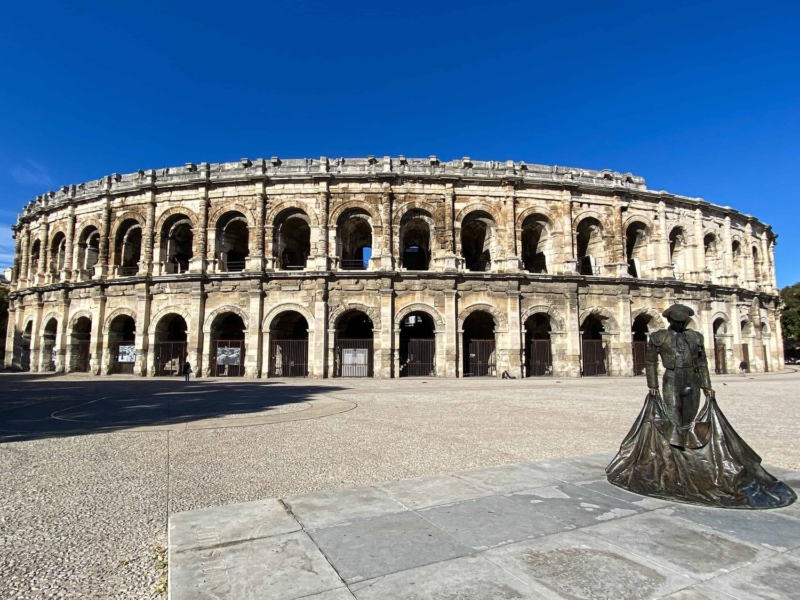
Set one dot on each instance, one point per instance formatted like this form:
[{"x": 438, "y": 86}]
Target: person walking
[
  {"x": 743, "y": 368},
  {"x": 187, "y": 369}
]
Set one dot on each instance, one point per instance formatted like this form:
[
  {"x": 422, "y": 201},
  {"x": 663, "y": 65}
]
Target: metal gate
[
  {"x": 169, "y": 358},
  {"x": 594, "y": 358},
  {"x": 288, "y": 358},
  {"x": 228, "y": 358},
  {"x": 540, "y": 361},
  {"x": 481, "y": 360},
  {"x": 82, "y": 356},
  {"x": 354, "y": 358},
  {"x": 639, "y": 357},
  {"x": 418, "y": 358},
  {"x": 746, "y": 356},
  {"x": 719, "y": 359},
  {"x": 123, "y": 357}
]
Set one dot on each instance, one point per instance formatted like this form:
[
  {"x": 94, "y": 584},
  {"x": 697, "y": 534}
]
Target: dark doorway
[
  {"x": 49, "y": 345},
  {"x": 233, "y": 242},
  {"x": 479, "y": 358},
  {"x": 25, "y": 350},
  {"x": 534, "y": 242},
  {"x": 292, "y": 240},
  {"x": 416, "y": 241},
  {"x": 176, "y": 244},
  {"x": 476, "y": 241},
  {"x": 354, "y": 241},
  {"x": 354, "y": 345},
  {"x": 170, "y": 346},
  {"x": 81, "y": 344},
  {"x": 594, "y": 348},
  {"x": 227, "y": 346},
  {"x": 720, "y": 350},
  {"x": 538, "y": 352},
  {"x": 122, "y": 344},
  {"x": 639, "y": 331},
  {"x": 417, "y": 346},
  {"x": 288, "y": 346}
]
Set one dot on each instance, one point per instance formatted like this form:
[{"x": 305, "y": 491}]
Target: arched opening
[
  {"x": 233, "y": 242},
  {"x": 58, "y": 253},
  {"x": 747, "y": 332},
  {"x": 763, "y": 336},
  {"x": 720, "y": 349},
  {"x": 415, "y": 241},
  {"x": 736, "y": 251},
  {"x": 589, "y": 242},
  {"x": 678, "y": 251},
  {"x": 636, "y": 236},
  {"x": 88, "y": 249},
  {"x": 176, "y": 244},
  {"x": 292, "y": 240},
  {"x": 170, "y": 345},
  {"x": 122, "y": 344},
  {"x": 25, "y": 350},
  {"x": 354, "y": 240},
  {"x": 477, "y": 233},
  {"x": 536, "y": 244},
  {"x": 639, "y": 330},
  {"x": 49, "y": 345},
  {"x": 128, "y": 249},
  {"x": 757, "y": 264},
  {"x": 288, "y": 345},
  {"x": 417, "y": 346},
  {"x": 538, "y": 350},
  {"x": 81, "y": 340},
  {"x": 594, "y": 349},
  {"x": 479, "y": 345},
  {"x": 711, "y": 252},
  {"x": 227, "y": 343},
  {"x": 33, "y": 261},
  {"x": 354, "y": 345}
]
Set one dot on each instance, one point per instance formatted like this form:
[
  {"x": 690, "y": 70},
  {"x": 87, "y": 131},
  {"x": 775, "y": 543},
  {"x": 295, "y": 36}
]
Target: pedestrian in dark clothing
[
  {"x": 187, "y": 369},
  {"x": 743, "y": 367}
]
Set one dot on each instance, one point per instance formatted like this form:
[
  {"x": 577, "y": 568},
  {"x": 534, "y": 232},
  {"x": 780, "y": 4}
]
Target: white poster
[
  {"x": 126, "y": 354},
  {"x": 228, "y": 355}
]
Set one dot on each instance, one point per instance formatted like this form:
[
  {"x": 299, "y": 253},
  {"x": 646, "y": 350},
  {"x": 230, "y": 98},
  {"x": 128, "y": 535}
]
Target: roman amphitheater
[{"x": 381, "y": 267}]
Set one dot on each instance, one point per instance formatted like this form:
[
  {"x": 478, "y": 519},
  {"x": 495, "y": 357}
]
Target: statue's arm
[{"x": 651, "y": 367}]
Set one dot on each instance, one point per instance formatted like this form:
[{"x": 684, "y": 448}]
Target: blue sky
[{"x": 700, "y": 98}]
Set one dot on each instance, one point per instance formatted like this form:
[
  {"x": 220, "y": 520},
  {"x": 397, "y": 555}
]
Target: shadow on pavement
[{"x": 36, "y": 406}]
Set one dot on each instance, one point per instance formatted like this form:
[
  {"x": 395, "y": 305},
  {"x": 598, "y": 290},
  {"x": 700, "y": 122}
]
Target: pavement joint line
[{"x": 53, "y": 415}]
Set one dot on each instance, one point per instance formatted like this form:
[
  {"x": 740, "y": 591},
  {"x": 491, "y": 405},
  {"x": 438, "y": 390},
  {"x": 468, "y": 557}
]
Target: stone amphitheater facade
[{"x": 381, "y": 267}]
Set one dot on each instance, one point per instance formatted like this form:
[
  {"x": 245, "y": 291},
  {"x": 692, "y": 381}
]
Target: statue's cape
[{"x": 703, "y": 463}]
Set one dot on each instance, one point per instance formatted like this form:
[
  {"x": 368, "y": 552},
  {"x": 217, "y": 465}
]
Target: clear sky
[{"x": 699, "y": 98}]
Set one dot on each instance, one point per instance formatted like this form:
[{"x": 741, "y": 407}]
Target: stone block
[
  {"x": 424, "y": 492},
  {"x": 507, "y": 478},
  {"x": 776, "y": 578},
  {"x": 373, "y": 547},
  {"x": 332, "y": 507}
]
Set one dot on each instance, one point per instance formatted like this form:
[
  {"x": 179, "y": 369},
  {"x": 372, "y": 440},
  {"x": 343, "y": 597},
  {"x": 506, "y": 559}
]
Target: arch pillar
[
  {"x": 383, "y": 338},
  {"x": 513, "y": 343},
  {"x": 253, "y": 350}
]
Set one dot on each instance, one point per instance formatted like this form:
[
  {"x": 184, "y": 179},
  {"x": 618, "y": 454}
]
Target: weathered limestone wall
[{"x": 504, "y": 239}]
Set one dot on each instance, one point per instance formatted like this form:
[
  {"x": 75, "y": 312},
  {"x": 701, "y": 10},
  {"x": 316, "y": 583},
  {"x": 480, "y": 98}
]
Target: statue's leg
[
  {"x": 669, "y": 394},
  {"x": 691, "y": 397}
]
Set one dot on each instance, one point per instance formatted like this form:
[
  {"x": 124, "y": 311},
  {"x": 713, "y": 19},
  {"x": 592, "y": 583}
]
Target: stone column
[
  {"x": 322, "y": 260},
  {"x": 571, "y": 361},
  {"x": 258, "y": 257},
  {"x": 143, "y": 298},
  {"x": 96, "y": 341},
  {"x": 384, "y": 336},
  {"x": 569, "y": 260},
  {"x": 199, "y": 260},
  {"x": 772, "y": 275},
  {"x": 24, "y": 267},
  {"x": 736, "y": 331},
  {"x": 625, "y": 366},
  {"x": 62, "y": 333},
  {"x": 766, "y": 268},
  {"x": 15, "y": 273},
  {"x": 729, "y": 277},
  {"x": 252, "y": 364},
  {"x": 700, "y": 275},
  {"x": 36, "y": 336},
  {"x": 12, "y": 335},
  {"x": 71, "y": 246},
  {"x": 664, "y": 269},
  {"x": 450, "y": 338},
  {"x": 385, "y": 257},
  {"x": 197, "y": 358},
  {"x": 317, "y": 354},
  {"x": 101, "y": 268},
  {"x": 514, "y": 343},
  {"x": 747, "y": 259},
  {"x": 44, "y": 253},
  {"x": 619, "y": 266},
  {"x": 148, "y": 237}
]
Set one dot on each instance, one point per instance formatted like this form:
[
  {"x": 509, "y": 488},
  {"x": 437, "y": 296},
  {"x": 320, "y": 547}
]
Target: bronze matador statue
[{"x": 677, "y": 450}]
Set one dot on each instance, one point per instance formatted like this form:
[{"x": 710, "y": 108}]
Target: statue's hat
[{"x": 678, "y": 312}]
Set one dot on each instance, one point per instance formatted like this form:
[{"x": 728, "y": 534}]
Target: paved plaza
[{"x": 92, "y": 468}]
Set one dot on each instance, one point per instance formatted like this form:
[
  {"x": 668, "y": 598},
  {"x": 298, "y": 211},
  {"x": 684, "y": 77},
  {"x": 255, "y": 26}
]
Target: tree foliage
[
  {"x": 790, "y": 319},
  {"x": 3, "y": 310}
]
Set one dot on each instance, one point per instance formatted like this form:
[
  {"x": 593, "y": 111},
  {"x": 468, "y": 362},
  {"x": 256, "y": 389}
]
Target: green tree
[{"x": 790, "y": 319}]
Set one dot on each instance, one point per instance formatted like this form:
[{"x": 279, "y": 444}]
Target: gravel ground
[{"x": 80, "y": 515}]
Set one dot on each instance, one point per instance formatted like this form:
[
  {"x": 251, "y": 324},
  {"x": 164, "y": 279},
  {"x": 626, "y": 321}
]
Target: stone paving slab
[{"x": 554, "y": 529}]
